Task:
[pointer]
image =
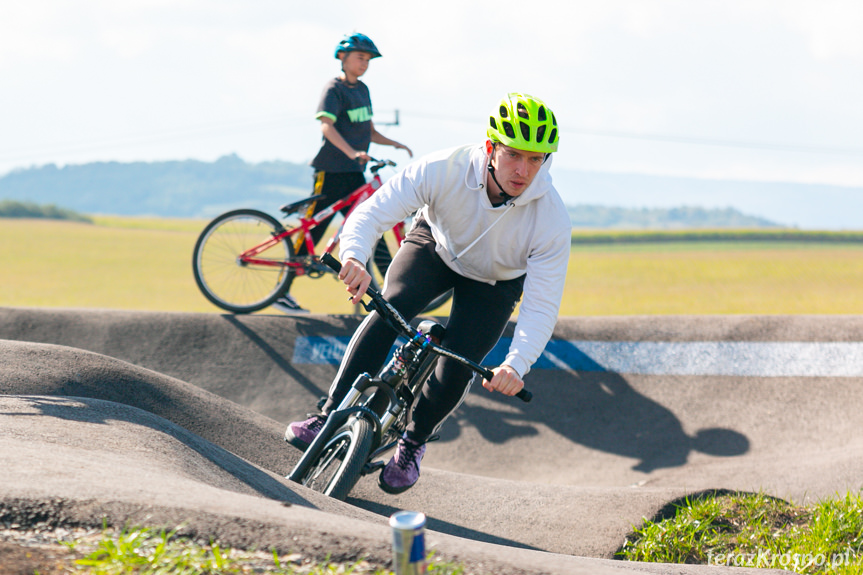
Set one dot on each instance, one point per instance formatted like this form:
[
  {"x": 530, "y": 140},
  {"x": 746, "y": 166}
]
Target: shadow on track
[
  {"x": 436, "y": 524},
  {"x": 599, "y": 410}
]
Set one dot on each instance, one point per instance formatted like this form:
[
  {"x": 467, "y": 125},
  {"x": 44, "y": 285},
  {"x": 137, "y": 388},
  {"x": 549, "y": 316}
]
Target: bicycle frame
[
  {"x": 307, "y": 224},
  {"x": 396, "y": 386},
  {"x": 398, "y": 383}
]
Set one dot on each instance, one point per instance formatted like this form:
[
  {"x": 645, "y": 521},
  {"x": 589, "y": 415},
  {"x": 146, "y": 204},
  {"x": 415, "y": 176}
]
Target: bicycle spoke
[
  {"x": 328, "y": 465},
  {"x": 224, "y": 277}
]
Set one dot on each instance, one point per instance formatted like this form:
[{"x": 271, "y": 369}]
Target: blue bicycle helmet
[{"x": 357, "y": 42}]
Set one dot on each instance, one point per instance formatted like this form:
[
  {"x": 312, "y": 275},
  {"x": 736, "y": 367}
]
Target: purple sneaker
[
  {"x": 403, "y": 470},
  {"x": 301, "y": 433}
]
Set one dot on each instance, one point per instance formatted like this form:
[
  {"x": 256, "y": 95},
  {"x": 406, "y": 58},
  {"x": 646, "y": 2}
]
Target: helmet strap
[{"x": 506, "y": 197}]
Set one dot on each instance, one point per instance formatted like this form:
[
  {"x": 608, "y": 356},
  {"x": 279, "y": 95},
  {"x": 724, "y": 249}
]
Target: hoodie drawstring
[{"x": 482, "y": 235}]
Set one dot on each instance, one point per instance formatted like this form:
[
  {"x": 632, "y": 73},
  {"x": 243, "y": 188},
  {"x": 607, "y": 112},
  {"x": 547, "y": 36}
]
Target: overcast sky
[{"x": 732, "y": 89}]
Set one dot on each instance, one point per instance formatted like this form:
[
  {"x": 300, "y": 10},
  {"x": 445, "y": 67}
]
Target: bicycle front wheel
[
  {"x": 232, "y": 282},
  {"x": 341, "y": 462}
]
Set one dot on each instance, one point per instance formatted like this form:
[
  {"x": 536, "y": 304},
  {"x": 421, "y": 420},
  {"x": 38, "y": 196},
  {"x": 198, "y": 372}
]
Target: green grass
[
  {"x": 589, "y": 236},
  {"x": 731, "y": 529},
  {"x": 147, "y": 551},
  {"x": 714, "y": 278},
  {"x": 754, "y": 530},
  {"x": 145, "y": 264},
  {"x": 150, "y": 223}
]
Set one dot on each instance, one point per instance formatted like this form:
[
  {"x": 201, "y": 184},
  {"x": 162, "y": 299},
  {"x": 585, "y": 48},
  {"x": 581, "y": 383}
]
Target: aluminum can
[{"x": 409, "y": 548}]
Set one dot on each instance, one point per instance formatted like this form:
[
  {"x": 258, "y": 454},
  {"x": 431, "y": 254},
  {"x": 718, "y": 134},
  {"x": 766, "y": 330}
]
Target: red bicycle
[{"x": 244, "y": 258}]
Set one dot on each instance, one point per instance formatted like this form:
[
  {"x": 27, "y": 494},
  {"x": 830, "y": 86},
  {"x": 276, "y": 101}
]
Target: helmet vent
[
  {"x": 553, "y": 137},
  {"x": 492, "y": 123},
  {"x": 525, "y": 130},
  {"x": 503, "y": 112},
  {"x": 540, "y": 132},
  {"x": 510, "y": 132},
  {"x": 540, "y": 115},
  {"x": 522, "y": 111}
]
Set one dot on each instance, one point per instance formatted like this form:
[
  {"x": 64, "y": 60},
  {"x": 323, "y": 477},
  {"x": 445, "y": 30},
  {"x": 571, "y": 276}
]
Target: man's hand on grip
[
  {"x": 356, "y": 277},
  {"x": 505, "y": 381}
]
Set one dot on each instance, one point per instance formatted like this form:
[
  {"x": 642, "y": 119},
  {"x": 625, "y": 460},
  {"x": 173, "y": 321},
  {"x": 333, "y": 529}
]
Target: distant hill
[
  {"x": 805, "y": 206},
  {"x": 192, "y": 188},
  {"x": 187, "y": 188},
  {"x": 684, "y": 217},
  {"x": 15, "y": 209}
]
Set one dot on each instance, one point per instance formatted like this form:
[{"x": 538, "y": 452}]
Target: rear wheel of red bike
[
  {"x": 233, "y": 284},
  {"x": 341, "y": 462}
]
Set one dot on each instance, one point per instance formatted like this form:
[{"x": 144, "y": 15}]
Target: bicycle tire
[
  {"x": 341, "y": 462},
  {"x": 381, "y": 259},
  {"x": 223, "y": 279}
]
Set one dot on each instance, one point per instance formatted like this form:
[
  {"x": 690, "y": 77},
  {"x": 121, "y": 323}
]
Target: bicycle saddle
[{"x": 294, "y": 207}]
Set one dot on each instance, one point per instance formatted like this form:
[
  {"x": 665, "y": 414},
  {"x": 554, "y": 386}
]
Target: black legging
[{"x": 479, "y": 314}]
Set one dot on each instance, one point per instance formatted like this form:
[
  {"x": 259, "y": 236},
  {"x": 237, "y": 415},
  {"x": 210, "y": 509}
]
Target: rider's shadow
[{"x": 600, "y": 410}]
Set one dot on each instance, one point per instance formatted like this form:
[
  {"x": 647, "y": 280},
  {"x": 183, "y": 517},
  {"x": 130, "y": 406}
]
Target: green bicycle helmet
[
  {"x": 357, "y": 42},
  {"x": 524, "y": 123}
]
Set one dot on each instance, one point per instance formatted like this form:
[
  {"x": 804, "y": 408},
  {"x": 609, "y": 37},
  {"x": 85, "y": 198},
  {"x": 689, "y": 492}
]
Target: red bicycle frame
[{"x": 355, "y": 198}]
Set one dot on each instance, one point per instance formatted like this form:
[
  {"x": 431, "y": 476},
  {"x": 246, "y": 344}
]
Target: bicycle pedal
[{"x": 373, "y": 466}]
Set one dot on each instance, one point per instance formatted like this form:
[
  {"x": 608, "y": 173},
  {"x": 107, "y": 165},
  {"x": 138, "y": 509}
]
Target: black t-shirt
[{"x": 350, "y": 107}]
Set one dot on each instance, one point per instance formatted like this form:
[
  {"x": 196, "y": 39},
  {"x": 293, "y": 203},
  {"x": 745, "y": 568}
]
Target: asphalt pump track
[{"x": 178, "y": 419}]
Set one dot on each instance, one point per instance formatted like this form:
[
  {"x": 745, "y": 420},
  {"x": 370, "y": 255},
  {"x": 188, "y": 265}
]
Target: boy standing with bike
[
  {"x": 345, "y": 113},
  {"x": 490, "y": 226}
]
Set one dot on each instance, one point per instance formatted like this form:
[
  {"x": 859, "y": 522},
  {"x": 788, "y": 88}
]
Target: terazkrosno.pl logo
[{"x": 769, "y": 558}]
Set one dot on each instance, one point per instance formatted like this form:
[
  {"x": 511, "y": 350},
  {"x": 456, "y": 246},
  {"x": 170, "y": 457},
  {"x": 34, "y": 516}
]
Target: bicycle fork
[
  {"x": 335, "y": 420},
  {"x": 390, "y": 379}
]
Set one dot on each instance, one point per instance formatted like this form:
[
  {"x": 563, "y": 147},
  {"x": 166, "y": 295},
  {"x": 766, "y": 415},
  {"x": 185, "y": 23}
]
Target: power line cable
[
  {"x": 187, "y": 133},
  {"x": 681, "y": 139}
]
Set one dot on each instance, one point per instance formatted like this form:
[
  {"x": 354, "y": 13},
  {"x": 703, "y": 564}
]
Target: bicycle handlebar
[
  {"x": 378, "y": 164},
  {"x": 398, "y": 321}
]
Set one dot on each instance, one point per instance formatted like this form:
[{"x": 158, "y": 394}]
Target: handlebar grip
[
  {"x": 332, "y": 262},
  {"x": 523, "y": 395}
]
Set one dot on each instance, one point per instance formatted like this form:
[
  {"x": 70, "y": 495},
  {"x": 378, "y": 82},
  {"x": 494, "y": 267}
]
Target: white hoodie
[{"x": 530, "y": 235}]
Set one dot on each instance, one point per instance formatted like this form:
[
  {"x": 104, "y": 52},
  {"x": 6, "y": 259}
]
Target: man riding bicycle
[{"x": 489, "y": 226}]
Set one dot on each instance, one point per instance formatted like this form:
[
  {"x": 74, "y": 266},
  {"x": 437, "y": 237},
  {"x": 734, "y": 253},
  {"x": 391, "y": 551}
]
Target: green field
[{"x": 145, "y": 264}]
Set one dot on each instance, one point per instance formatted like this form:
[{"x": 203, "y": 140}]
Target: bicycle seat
[{"x": 294, "y": 207}]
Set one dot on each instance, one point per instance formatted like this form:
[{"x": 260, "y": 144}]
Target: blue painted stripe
[
  {"x": 320, "y": 350},
  {"x": 758, "y": 359}
]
